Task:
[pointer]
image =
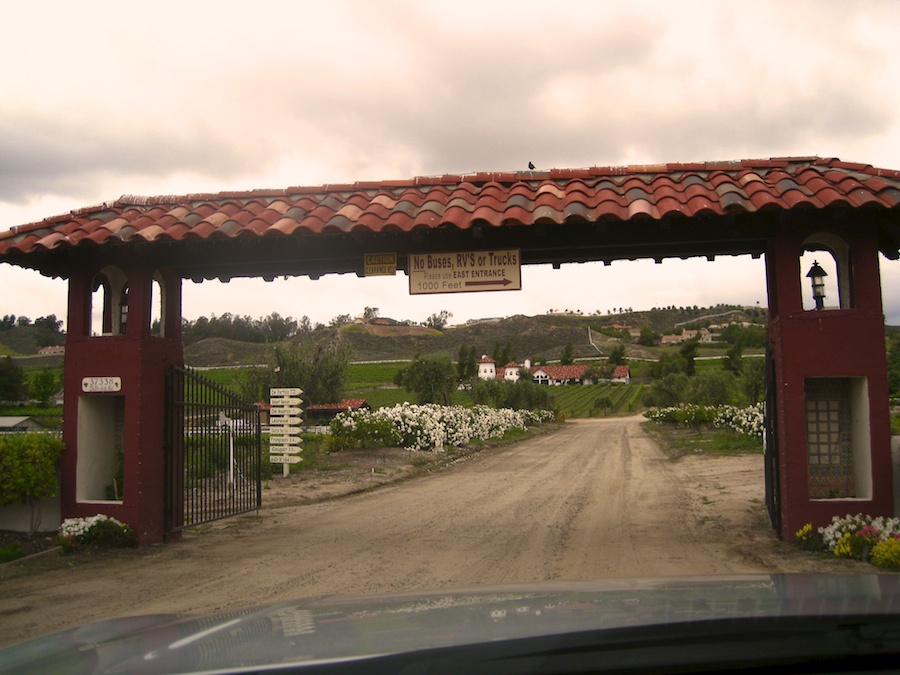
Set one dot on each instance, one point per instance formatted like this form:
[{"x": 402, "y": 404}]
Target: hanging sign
[
  {"x": 380, "y": 264},
  {"x": 465, "y": 272}
]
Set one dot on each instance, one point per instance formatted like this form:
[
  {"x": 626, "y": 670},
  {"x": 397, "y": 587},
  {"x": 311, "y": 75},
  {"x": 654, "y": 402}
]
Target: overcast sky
[{"x": 103, "y": 99}]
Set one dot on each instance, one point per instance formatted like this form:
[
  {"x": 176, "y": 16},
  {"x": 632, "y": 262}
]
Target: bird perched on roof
[{"x": 531, "y": 165}]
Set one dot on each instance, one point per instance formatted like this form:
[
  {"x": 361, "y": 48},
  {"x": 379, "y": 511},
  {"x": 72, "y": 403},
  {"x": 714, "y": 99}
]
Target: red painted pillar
[
  {"x": 830, "y": 379},
  {"x": 115, "y": 393}
]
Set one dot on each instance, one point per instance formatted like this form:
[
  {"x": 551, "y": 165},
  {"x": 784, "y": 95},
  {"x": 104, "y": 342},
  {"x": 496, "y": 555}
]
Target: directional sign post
[
  {"x": 465, "y": 272},
  {"x": 284, "y": 427}
]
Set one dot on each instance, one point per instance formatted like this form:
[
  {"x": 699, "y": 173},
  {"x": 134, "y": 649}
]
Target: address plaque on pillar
[{"x": 101, "y": 384}]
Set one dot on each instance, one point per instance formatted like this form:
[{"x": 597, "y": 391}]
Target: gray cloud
[{"x": 54, "y": 156}]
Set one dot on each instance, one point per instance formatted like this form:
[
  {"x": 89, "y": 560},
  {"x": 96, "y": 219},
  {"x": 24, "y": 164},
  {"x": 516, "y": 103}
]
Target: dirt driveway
[{"x": 595, "y": 499}]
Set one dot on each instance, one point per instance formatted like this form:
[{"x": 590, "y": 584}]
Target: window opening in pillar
[
  {"x": 837, "y": 438},
  {"x": 101, "y": 448}
]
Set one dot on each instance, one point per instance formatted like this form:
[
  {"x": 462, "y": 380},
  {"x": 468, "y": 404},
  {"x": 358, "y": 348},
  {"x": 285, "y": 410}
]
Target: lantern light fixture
[{"x": 817, "y": 275}]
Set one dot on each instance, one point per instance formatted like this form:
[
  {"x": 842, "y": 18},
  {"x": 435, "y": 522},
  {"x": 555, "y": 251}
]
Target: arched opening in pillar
[
  {"x": 109, "y": 302},
  {"x": 832, "y": 255},
  {"x": 157, "y": 306}
]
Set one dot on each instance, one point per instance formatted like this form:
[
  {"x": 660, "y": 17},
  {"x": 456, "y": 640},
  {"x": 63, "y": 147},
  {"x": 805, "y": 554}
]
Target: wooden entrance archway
[{"x": 778, "y": 208}]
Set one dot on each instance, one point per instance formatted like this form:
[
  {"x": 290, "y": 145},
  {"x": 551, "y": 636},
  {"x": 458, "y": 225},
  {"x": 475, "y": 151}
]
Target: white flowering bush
[
  {"x": 743, "y": 420},
  {"x": 429, "y": 426},
  {"x": 99, "y": 530},
  {"x": 750, "y": 420}
]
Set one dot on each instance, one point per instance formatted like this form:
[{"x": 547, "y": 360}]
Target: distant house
[
  {"x": 511, "y": 371},
  {"x": 487, "y": 368},
  {"x": 51, "y": 350},
  {"x": 621, "y": 374},
  {"x": 555, "y": 376},
  {"x": 321, "y": 414},
  {"x": 703, "y": 336},
  {"x": 20, "y": 424}
]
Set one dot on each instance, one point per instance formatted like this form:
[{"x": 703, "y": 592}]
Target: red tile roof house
[
  {"x": 621, "y": 374},
  {"x": 321, "y": 414},
  {"x": 559, "y": 375}
]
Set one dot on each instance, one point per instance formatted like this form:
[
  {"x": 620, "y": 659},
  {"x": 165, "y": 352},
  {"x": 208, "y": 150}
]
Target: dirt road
[{"x": 595, "y": 499}]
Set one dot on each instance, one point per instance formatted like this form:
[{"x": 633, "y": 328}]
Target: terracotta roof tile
[{"x": 495, "y": 199}]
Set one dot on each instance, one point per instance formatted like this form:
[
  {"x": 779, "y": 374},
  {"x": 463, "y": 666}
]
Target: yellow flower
[{"x": 843, "y": 548}]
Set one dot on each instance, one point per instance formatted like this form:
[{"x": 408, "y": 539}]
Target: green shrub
[{"x": 28, "y": 471}]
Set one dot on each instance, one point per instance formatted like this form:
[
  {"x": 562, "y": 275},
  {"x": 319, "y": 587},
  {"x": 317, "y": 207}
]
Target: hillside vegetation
[{"x": 538, "y": 338}]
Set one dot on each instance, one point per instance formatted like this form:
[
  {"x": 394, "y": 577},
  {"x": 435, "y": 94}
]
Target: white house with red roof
[{"x": 487, "y": 368}]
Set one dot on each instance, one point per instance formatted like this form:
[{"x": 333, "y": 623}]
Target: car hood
[{"x": 497, "y": 623}]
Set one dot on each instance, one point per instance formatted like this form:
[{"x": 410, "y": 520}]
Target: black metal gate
[
  {"x": 213, "y": 452},
  {"x": 772, "y": 472}
]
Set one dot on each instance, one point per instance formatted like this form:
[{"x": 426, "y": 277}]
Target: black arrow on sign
[{"x": 504, "y": 282}]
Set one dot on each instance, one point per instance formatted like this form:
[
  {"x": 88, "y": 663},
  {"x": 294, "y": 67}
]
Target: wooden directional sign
[
  {"x": 465, "y": 272},
  {"x": 285, "y": 450},
  {"x": 284, "y": 430},
  {"x": 284, "y": 440},
  {"x": 284, "y": 421},
  {"x": 281, "y": 410},
  {"x": 285, "y": 459},
  {"x": 285, "y": 391},
  {"x": 284, "y": 400}
]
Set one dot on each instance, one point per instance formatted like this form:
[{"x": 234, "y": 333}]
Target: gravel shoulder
[{"x": 589, "y": 499}]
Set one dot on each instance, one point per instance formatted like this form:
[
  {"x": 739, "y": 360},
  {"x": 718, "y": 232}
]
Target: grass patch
[
  {"x": 13, "y": 552},
  {"x": 679, "y": 441}
]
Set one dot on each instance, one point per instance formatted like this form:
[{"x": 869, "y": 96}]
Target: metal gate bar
[{"x": 213, "y": 452}]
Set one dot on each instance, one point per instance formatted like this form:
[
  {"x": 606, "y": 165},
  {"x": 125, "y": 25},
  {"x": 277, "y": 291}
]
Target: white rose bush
[
  {"x": 749, "y": 420},
  {"x": 94, "y": 531},
  {"x": 427, "y": 427}
]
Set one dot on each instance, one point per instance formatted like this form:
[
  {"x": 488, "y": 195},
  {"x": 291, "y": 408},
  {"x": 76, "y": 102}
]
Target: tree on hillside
[
  {"x": 432, "y": 379},
  {"x": 44, "y": 386},
  {"x": 438, "y": 321},
  {"x": 753, "y": 380},
  {"x": 648, "y": 337},
  {"x": 370, "y": 313},
  {"x": 467, "y": 363},
  {"x": 733, "y": 360},
  {"x": 503, "y": 355},
  {"x": 668, "y": 364},
  {"x": 688, "y": 352},
  {"x": 318, "y": 368},
  {"x": 567, "y": 356},
  {"x": 12, "y": 381},
  {"x": 617, "y": 356}
]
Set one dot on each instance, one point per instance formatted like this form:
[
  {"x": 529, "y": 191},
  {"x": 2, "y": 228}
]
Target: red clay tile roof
[
  {"x": 340, "y": 406},
  {"x": 573, "y": 372},
  {"x": 621, "y": 372},
  {"x": 493, "y": 199}
]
